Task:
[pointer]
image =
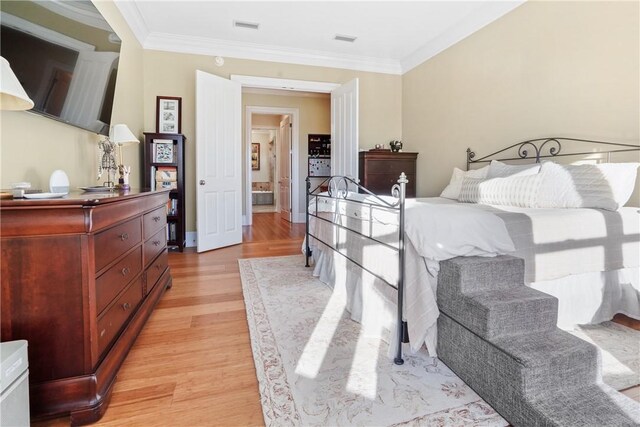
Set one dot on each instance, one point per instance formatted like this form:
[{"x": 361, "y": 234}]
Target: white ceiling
[{"x": 392, "y": 36}]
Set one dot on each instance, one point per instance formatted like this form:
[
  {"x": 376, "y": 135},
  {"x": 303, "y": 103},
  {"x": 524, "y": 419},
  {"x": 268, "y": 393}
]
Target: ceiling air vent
[
  {"x": 249, "y": 25},
  {"x": 343, "y": 38}
]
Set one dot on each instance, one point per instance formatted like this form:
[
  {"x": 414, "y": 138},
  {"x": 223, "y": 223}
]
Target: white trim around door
[{"x": 295, "y": 157}]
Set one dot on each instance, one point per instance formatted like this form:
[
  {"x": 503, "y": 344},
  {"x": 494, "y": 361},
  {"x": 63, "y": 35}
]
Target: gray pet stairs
[{"x": 500, "y": 337}]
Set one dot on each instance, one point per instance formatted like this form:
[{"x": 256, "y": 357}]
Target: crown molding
[
  {"x": 485, "y": 15},
  {"x": 231, "y": 49},
  {"x": 134, "y": 19}
]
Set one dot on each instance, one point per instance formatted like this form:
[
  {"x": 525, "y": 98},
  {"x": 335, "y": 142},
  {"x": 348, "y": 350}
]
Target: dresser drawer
[
  {"x": 116, "y": 278},
  {"x": 154, "y": 245},
  {"x": 391, "y": 167},
  {"x": 115, "y": 317},
  {"x": 154, "y": 221},
  {"x": 382, "y": 184},
  {"x": 112, "y": 243},
  {"x": 155, "y": 270}
]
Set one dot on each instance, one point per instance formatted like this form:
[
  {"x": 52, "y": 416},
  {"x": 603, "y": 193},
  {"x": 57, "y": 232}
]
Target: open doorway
[{"x": 264, "y": 158}]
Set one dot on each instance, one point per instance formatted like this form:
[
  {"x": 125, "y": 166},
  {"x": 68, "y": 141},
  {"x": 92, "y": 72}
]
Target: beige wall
[
  {"x": 545, "y": 69},
  {"x": 33, "y": 146},
  {"x": 173, "y": 74}
]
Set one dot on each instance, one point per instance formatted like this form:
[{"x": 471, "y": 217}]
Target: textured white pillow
[
  {"x": 605, "y": 186},
  {"x": 452, "y": 191},
  {"x": 498, "y": 169},
  {"x": 521, "y": 191}
]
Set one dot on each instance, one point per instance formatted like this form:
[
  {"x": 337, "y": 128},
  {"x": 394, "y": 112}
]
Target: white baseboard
[{"x": 192, "y": 239}]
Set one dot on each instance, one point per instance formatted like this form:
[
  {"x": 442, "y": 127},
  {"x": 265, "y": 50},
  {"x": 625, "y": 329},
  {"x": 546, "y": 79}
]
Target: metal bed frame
[{"x": 339, "y": 187}]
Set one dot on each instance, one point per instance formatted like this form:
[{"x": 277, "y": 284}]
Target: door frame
[
  {"x": 293, "y": 86},
  {"x": 295, "y": 156}
]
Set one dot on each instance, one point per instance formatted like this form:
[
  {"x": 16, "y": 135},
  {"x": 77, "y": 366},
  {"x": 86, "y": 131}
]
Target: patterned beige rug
[{"x": 314, "y": 366}]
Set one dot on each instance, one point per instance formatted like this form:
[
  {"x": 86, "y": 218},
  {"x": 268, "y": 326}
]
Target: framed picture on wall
[
  {"x": 168, "y": 114},
  {"x": 255, "y": 157}
]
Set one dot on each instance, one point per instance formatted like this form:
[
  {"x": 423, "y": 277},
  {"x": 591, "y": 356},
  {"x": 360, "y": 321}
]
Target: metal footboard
[{"x": 344, "y": 188}]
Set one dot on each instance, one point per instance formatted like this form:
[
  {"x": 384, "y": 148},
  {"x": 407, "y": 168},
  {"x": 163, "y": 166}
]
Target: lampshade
[
  {"x": 122, "y": 135},
  {"x": 12, "y": 95}
]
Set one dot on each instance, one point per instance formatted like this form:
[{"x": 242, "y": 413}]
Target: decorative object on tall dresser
[
  {"x": 12, "y": 95},
  {"x": 396, "y": 146},
  {"x": 255, "y": 157},
  {"x": 121, "y": 135},
  {"x": 168, "y": 114},
  {"x": 164, "y": 165},
  {"x": 107, "y": 161},
  {"x": 82, "y": 313}
]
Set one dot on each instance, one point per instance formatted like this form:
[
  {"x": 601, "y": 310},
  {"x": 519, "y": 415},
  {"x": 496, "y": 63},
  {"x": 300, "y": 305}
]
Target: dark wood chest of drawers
[
  {"x": 379, "y": 170},
  {"x": 80, "y": 277}
]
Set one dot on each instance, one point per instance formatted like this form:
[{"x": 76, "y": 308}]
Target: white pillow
[
  {"x": 452, "y": 191},
  {"x": 498, "y": 169},
  {"x": 521, "y": 191},
  {"x": 605, "y": 186}
]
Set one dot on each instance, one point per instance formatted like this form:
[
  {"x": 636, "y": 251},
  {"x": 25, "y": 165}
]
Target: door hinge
[{"x": 290, "y": 125}]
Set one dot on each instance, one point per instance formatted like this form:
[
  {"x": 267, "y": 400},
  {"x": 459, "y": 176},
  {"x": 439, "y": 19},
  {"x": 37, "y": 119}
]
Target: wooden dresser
[
  {"x": 378, "y": 171},
  {"x": 80, "y": 277}
]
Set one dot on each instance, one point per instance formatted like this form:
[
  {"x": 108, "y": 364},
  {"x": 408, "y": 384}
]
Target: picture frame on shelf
[
  {"x": 168, "y": 114},
  {"x": 163, "y": 151},
  {"x": 255, "y": 157}
]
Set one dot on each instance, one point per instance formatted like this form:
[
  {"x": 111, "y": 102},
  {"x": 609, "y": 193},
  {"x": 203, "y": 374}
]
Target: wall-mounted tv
[{"x": 65, "y": 55}]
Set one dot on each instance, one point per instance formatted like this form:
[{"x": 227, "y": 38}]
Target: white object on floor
[
  {"x": 59, "y": 182},
  {"x": 14, "y": 384}
]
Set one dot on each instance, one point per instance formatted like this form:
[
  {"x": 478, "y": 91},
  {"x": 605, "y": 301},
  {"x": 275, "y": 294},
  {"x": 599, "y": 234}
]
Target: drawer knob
[
  {"x": 156, "y": 242},
  {"x": 156, "y": 218},
  {"x": 124, "y": 236},
  {"x": 126, "y": 271},
  {"x": 126, "y": 306},
  {"x": 102, "y": 332}
]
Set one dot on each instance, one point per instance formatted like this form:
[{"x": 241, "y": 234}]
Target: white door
[
  {"x": 284, "y": 160},
  {"x": 344, "y": 130},
  {"x": 218, "y": 162}
]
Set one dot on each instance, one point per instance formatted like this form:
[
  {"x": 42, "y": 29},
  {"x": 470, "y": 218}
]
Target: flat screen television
[{"x": 65, "y": 55}]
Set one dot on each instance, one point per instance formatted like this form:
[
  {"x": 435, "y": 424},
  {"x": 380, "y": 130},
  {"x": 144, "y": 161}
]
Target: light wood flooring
[{"x": 192, "y": 364}]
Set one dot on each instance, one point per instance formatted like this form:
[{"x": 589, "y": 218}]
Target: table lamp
[
  {"x": 121, "y": 135},
  {"x": 12, "y": 95}
]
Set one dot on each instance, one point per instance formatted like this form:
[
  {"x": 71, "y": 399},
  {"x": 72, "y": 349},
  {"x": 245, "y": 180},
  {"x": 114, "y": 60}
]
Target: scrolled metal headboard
[{"x": 542, "y": 148}]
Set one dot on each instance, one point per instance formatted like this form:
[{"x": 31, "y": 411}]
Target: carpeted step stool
[{"x": 500, "y": 337}]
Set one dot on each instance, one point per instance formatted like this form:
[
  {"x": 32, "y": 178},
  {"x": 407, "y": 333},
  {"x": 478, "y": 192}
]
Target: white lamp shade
[
  {"x": 12, "y": 95},
  {"x": 122, "y": 135}
]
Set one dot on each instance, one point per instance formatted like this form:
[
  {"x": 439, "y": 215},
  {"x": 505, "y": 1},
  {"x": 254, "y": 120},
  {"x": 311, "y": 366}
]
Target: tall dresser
[
  {"x": 379, "y": 170},
  {"x": 80, "y": 277}
]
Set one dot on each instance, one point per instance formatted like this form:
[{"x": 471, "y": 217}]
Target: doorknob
[{"x": 202, "y": 182}]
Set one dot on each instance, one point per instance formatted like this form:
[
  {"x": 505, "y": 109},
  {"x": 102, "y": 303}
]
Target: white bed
[{"x": 588, "y": 258}]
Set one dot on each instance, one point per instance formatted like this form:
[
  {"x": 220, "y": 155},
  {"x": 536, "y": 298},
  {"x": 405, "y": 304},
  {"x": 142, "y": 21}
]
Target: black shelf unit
[
  {"x": 175, "y": 222},
  {"x": 319, "y": 145},
  {"x": 319, "y": 149}
]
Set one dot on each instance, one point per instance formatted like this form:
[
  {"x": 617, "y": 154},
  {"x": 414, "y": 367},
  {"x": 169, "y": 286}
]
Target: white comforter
[{"x": 554, "y": 243}]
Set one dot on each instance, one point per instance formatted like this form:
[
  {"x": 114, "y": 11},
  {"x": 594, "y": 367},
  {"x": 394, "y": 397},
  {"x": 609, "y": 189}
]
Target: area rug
[{"x": 315, "y": 367}]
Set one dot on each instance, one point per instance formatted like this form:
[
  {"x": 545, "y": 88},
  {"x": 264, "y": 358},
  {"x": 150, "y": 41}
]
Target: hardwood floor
[{"x": 192, "y": 364}]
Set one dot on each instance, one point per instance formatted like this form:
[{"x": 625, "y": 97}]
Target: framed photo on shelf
[
  {"x": 163, "y": 151},
  {"x": 168, "y": 114},
  {"x": 255, "y": 157}
]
